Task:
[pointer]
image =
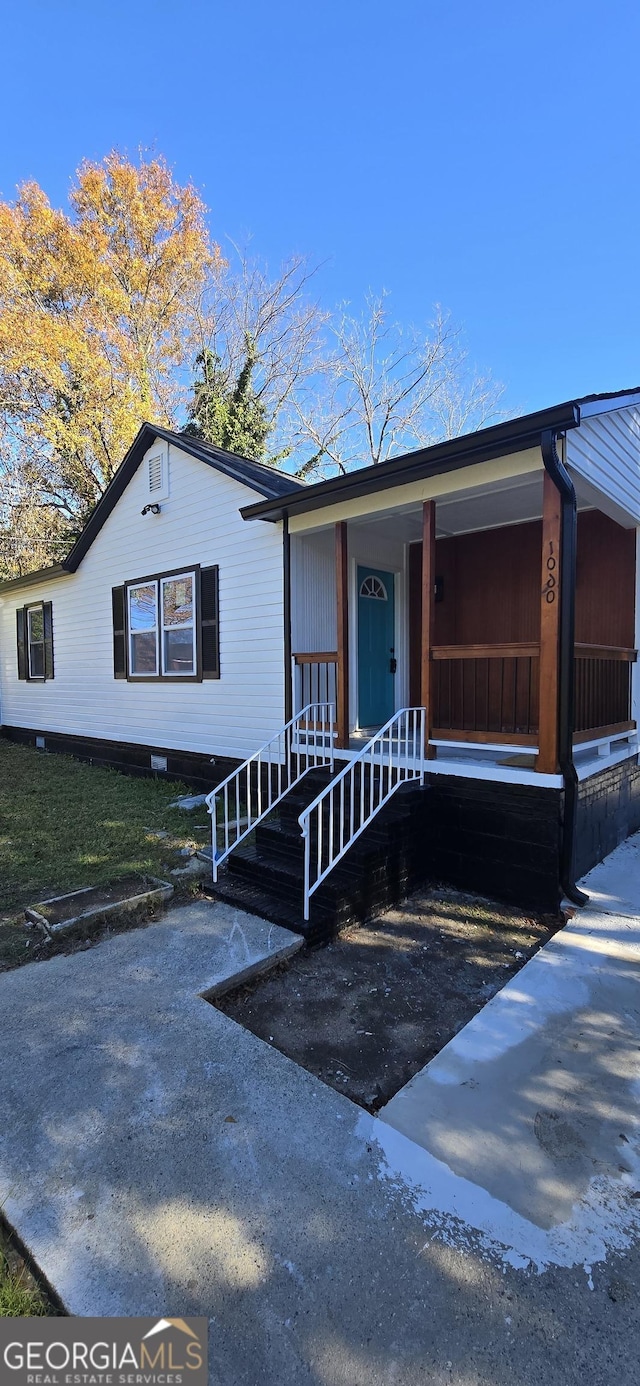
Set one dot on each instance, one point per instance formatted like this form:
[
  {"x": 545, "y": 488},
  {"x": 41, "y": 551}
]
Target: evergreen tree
[{"x": 229, "y": 414}]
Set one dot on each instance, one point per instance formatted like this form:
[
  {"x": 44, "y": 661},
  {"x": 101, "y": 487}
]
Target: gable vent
[{"x": 155, "y": 473}]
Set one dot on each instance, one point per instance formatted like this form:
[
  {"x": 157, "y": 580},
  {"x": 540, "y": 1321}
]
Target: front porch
[{"x": 452, "y": 604}]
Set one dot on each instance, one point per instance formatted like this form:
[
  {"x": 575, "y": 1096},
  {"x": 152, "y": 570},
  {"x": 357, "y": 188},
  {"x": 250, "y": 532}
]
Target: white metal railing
[
  {"x": 249, "y": 793},
  {"x": 343, "y": 810}
]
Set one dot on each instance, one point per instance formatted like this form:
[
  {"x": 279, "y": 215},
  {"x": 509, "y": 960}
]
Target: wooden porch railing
[
  {"x": 602, "y": 690},
  {"x": 486, "y": 693},
  {"x": 490, "y": 693},
  {"x": 316, "y": 680}
]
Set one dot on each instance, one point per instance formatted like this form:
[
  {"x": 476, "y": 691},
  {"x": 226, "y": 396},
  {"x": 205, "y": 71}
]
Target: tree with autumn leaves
[
  {"x": 96, "y": 323},
  {"x": 124, "y": 309}
]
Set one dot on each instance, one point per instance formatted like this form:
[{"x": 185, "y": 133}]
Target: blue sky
[{"x": 484, "y": 156}]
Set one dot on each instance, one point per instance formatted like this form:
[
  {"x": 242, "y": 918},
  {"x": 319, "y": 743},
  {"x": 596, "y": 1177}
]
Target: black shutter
[
  {"x": 21, "y": 634},
  {"x": 209, "y": 623},
  {"x": 119, "y": 633},
  {"x": 47, "y": 620}
]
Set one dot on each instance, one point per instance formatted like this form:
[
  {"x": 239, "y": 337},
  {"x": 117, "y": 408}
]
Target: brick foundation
[
  {"x": 200, "y": 771},
  {"x": 608, "y": 811},
  {"x": 500, "y": 839}
]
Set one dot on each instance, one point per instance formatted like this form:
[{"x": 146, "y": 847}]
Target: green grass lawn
[
  {"x": 64, "y": 825},
  {"x": 20, "y": 1297}
]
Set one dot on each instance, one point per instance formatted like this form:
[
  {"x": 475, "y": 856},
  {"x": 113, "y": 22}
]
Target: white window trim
[
  {"x": 134, "y": 587},
  {"x": 35, "y": 678},
  {"x": 174, "y": 673},
  {"x": 160, "y": 671}
]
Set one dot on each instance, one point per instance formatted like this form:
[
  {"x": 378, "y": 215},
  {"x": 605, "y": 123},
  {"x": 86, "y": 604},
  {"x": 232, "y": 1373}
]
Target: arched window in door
[{"x": 372, "y": 587}]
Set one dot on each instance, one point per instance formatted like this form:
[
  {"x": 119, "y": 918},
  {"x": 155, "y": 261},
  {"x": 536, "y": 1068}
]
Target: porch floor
[{"x": 511, "y": 763}]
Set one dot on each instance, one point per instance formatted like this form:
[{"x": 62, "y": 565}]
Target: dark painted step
[
  {"x": 265, "y": 873},
  {"x": 277, "y": 838},
  {"x": 285, "y": 873},
  {"x": 245, "y": 896},
  {"x": 306, "y": 789}
]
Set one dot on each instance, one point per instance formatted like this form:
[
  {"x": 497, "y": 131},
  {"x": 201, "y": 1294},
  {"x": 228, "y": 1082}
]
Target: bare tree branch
[{"x": 385, "y": 389}]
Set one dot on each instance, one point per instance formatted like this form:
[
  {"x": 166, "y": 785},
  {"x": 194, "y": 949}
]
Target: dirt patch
[
  {"x": 22, "y": 942},
  {"x": 96, "y": 902},
  {"x": 369, "y": 1010}
]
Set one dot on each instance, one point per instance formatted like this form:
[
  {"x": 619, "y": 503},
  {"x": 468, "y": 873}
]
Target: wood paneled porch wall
[{"x": 490, "y": 590}]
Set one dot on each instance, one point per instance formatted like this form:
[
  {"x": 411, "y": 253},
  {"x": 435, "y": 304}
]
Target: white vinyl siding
[
  {"x": 605, "y": 452},
  {"x": 313, "y": 592},
  {"x": 199, "y": 524}
]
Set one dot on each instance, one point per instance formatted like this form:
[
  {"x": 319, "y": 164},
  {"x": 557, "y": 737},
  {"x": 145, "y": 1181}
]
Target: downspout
[
  {"x": 568, "y": 534},
  {"x": 286, "y": 609}
]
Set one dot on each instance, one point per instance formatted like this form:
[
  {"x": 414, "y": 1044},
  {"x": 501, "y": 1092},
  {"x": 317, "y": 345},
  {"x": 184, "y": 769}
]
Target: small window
[
  {"x": 178, "y": 625},
  {"x": 35, "y": 641},
  {"x": 166, "y": 627},
  {"x": 143, "y": 629},
  {"x": 372, "y": 587}
]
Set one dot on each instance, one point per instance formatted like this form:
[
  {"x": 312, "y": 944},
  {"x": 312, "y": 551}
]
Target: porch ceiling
[{"x": 506, "y": 502}]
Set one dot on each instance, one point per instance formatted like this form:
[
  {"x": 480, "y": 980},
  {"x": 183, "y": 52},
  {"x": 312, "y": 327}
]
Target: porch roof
[{"x": 516, "y": 435}]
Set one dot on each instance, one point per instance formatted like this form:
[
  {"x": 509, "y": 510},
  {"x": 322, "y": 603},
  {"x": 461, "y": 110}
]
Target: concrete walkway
[
  {"x": 156, "y": 1158},
  {"x": 535, "y": 1102}
]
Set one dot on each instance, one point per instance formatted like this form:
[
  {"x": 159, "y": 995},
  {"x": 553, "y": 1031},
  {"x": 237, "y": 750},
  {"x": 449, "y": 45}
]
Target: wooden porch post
[
  {"x": 547, "y": 759},
  {"x": 342, "y": 617},
  {"x": 428, "y": 616}
]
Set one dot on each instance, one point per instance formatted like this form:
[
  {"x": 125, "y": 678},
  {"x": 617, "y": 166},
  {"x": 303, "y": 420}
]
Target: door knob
[{"x": 393, "y": 663}]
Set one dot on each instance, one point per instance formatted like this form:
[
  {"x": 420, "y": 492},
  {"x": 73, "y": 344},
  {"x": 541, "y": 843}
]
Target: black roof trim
[
  {"x": 608, "y": 394},
  {"x": 266, "y": 480},
  {"x": 259, "y": 477},
  {"x": 40, "y": 575},
  {"x": 269, "y": 482},
  {"x": 513, "y": 436}
]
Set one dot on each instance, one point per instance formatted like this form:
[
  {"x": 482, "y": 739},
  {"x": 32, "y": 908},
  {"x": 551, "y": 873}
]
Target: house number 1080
[{"x": 549, "y": 589}]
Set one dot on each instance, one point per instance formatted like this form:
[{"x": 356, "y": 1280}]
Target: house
[{"x": 476, "y": 600}]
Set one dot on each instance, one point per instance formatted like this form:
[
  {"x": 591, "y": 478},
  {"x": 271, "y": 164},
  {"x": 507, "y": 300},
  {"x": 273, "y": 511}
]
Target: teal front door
[{"x": 376, "y": 642}]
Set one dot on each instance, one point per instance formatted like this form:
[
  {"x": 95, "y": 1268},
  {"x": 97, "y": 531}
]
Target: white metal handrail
[
  {"x": 349, "y": 804},
  {"x": 249, "y": 793}
]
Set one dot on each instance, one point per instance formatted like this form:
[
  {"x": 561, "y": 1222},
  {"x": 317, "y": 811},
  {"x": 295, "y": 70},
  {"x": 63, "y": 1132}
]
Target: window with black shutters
[
  {"x": 119, "y": 633},
  {"x": 165, "y": 626},
  {"x": 34, "y": 637},
  {"x": 209, "y": 623}
]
